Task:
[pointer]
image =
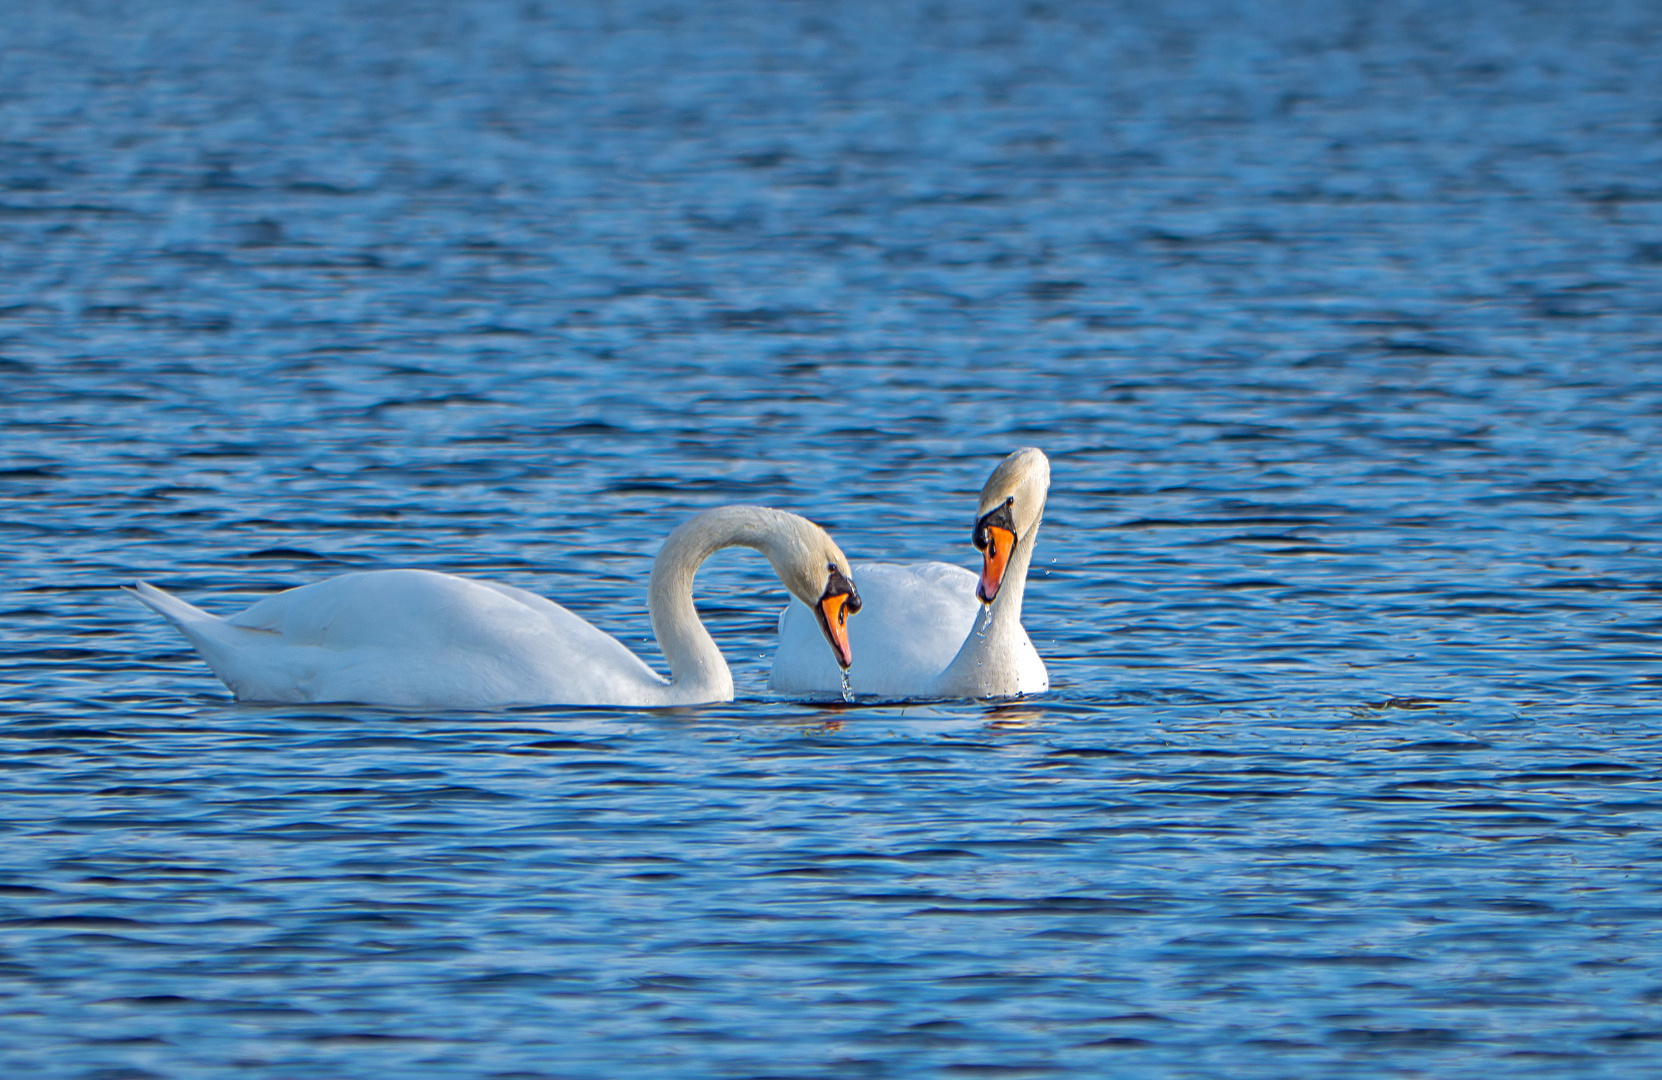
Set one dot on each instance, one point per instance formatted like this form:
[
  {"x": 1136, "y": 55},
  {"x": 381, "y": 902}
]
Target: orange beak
[
  {"x": 833, "y": 619},
  {"x": 994, "y": 558}
]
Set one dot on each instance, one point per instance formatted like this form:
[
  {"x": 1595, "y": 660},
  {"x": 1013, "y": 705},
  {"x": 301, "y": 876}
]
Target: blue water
[{"x": 1342, "y": 325}]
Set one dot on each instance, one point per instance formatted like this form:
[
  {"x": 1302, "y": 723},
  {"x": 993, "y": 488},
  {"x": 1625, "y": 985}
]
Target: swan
[
  {"x": 422, "y": 640},
  {"x": 932, "y": 630}
]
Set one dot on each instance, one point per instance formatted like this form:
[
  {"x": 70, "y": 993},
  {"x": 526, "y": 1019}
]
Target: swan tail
[
  {"x": 218, "y": 642},
  {"x": 168, "y": 606}
]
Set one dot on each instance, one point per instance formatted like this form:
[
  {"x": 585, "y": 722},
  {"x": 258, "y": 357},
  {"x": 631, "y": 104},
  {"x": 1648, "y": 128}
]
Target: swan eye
[
  {"x": 836, "y": 604},
  {"x": 842, "y": 590},
  {"x": 999, "y": 518}
]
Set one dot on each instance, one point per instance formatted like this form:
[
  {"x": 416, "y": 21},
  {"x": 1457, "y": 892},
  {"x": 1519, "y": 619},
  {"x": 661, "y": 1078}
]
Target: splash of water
[{"x": 848, "y": 691}]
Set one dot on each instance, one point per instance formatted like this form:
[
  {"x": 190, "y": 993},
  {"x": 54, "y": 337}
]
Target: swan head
[
  {"x": 1012, "y": 502},
  {"x": 816, "y": 572}
]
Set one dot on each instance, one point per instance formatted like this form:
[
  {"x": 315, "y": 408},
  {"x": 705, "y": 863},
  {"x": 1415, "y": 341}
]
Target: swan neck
[
  {"x": 1005, "y": 610},
  {"x": 697, "y": 670},
  {"x": 979, "y": 669}
]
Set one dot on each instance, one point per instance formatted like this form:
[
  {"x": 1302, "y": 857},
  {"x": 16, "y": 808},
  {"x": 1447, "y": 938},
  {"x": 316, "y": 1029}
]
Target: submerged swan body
[
  {"x": 419, "y": 639},
  {"x": 933, "y": 630}
]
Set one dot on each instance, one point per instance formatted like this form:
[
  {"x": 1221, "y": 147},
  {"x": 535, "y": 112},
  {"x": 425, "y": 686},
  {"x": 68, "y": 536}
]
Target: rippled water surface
[{"x": 1341, "y": 324}]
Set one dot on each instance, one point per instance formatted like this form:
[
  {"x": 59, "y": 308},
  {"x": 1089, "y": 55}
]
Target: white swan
[
  {"x": 931, "y": 630},
  {"x": 421, "y": 640}
]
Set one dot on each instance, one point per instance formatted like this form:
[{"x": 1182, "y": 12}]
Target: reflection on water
[
  {"x": 1014, "y": 718},
  {"x": 1339, "y": 327}
]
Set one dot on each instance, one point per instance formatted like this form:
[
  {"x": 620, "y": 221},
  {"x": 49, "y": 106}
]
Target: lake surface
[{"x": 1343, "y": 330}]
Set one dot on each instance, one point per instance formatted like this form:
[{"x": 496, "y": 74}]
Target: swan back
[
  {"x": 412, "y": 639},
  {"x": 914, "y": 620}
]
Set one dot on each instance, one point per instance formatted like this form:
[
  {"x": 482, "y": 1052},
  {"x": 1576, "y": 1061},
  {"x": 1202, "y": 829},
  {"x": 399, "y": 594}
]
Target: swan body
[
  {"x": 932, "y": 630},
  {"x": 419, "y": 639}
]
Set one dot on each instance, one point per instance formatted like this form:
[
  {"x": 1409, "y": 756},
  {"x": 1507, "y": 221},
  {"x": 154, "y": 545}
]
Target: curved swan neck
[
  {"x": 697, "y": 670},
  {"x": 980, "y": 668},
  {"x": 1021, "y": 481}
]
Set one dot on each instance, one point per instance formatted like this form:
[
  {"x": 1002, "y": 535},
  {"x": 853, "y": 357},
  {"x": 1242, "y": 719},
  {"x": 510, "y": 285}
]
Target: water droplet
[{"x": 848, "y": 691}]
